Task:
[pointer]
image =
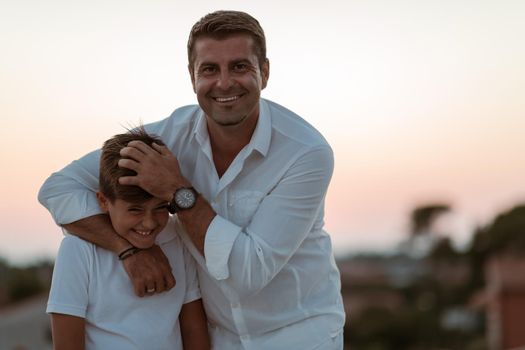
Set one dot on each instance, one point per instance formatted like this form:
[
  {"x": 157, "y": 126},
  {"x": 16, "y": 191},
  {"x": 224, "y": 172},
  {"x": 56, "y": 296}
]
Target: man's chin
[{"x": 228, "y": 121}]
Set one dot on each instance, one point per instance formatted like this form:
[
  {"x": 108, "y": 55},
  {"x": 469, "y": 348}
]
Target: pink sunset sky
[{"x": 422, "y": 101}]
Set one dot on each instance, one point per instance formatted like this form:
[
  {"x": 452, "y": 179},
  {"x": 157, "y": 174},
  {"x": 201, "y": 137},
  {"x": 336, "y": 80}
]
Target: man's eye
[
  {"x": 135, "y": 210},
  {"x": 240, "y": 67},
  {"x": 207, "y": 70}
]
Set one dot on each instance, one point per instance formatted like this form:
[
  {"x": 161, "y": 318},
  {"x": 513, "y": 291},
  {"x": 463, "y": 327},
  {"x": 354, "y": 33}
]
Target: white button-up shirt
[{"x": 268, "y": 279}]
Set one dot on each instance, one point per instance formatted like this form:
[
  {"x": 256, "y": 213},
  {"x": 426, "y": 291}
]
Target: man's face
[
  {"x": 228, "y": 79},
  {"x": 138, "y": 223}
]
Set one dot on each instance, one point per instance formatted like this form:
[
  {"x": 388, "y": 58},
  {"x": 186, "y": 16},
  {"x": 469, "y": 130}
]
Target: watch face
[{"x": 185, "y": 198}]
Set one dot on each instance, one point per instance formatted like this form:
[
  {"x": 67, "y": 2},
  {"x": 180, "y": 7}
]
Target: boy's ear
[{"x": 102, "y": 201}]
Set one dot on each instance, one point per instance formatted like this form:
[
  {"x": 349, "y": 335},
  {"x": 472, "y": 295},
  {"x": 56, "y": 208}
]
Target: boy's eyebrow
[
  {"x": 130, "y": 203},
  {"x": 134, "y": 205},
  {"x": 140, "y": 201}
]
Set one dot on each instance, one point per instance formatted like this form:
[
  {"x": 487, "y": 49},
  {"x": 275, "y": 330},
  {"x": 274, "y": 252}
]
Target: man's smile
[{"x": 227, "y": 99}]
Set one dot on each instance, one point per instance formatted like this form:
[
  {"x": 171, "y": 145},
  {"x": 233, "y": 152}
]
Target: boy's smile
[{"x": 138, "y": 223}]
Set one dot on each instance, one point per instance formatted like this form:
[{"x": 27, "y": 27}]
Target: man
[{"x": 248, "y": 179}]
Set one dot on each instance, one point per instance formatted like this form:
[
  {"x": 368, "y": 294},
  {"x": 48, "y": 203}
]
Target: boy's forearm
[
  {"x": 97, "y": 229},
  {"x": 194, "y": 326},
  {"x": 68, "y": 332}
]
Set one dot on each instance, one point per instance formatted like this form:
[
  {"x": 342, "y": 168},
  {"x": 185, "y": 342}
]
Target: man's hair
[
  {"x": 110, "y": 171},
  {"x": 222, "y": 24}
]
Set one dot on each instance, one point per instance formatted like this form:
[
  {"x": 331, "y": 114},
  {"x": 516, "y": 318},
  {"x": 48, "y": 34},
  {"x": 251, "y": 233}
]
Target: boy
[{"x": 92, "y": 303}]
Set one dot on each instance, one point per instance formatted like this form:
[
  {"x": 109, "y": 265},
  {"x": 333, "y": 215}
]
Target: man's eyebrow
[
  {"x": 234, "y": 61},
  {"x": 207, "y": 63},
  {"x": 241, "y": 60}
]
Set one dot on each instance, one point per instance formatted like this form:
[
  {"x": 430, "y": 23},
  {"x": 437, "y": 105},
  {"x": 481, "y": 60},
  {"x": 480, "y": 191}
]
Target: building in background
[{"x": 505, "y": 302}]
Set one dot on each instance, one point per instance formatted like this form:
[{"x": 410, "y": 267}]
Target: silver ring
[{"x": 151, "y": 290}]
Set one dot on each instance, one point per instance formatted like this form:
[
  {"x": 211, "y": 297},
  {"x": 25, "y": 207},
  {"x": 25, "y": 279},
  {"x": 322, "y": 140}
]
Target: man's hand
[
  {"x": 157, "y": 169},
  {"x": 149, "y": 271}
]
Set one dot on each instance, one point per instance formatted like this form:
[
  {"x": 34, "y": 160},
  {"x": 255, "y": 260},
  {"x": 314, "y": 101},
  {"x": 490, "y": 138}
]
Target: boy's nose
[{"x": 149, "y": 222}]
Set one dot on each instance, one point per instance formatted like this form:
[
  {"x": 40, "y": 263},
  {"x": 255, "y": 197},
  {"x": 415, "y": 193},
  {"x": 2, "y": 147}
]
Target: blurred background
[{"x": 422, "y": 101}]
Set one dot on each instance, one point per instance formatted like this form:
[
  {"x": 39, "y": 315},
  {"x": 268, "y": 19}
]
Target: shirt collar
[
  {"x": 261, "y": 136},
  {"x": 201, "y": 130},
  {"x": 263, "y": 131}
]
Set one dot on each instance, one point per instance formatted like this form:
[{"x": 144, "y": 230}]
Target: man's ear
[
  {"x": 265, "y": 72},
  {"x": 102, "y": 201},
  {"x": 192, "y": 77}
]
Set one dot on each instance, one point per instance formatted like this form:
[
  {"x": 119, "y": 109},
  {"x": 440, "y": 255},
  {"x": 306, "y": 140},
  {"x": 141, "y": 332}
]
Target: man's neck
[{"x": 227, "y": 141}]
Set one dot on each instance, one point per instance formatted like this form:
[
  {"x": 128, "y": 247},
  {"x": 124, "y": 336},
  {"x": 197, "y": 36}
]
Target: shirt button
[
  {"x": 235, "y": 305},
  {"x": 245, "y": 337}
]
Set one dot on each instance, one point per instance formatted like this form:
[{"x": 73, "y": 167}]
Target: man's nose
[{"x": 224, "y": 80}]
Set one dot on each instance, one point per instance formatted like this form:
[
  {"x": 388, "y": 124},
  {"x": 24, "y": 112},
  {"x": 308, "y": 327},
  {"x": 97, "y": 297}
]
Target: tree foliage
[
  {"x": 18, "y": 283},
  {"x": 506, "y": 234},
  {"x": 423, "y": 217}
]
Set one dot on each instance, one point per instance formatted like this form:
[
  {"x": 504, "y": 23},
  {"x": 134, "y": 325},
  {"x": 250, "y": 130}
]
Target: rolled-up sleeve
[
  {"x": 70, "y": 194},
  {"x": 248, "y": 258},
  {"x": 220, "y": 237}
]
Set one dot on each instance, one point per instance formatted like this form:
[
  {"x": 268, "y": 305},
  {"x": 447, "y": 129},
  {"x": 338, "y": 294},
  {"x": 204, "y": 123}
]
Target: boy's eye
[{"x": 135, "y": 210}]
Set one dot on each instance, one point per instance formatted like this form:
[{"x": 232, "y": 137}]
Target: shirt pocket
[{"x": 243, "y": 205}]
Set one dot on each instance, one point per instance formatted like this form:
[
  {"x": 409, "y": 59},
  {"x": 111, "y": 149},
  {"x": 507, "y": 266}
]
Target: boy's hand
[{"x": 149, "y": 271}]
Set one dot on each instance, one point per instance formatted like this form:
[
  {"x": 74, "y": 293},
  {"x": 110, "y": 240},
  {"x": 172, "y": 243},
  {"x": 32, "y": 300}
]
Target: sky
[{"x": 421, "y": 100}]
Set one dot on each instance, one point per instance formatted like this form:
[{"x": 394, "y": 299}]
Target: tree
[
  {"x": 506, "y": 234},
  {"x": 423, "y": 217}
]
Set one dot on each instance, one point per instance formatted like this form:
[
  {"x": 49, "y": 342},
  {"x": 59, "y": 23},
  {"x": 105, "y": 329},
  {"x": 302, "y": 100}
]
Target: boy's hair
[
  {"x": 110, "y": 172},
  {"x": 222, "y": 24}
]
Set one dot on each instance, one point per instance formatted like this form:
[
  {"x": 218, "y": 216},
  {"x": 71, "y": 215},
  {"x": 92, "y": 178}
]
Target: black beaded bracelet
[{"x": 128, "y": 252}]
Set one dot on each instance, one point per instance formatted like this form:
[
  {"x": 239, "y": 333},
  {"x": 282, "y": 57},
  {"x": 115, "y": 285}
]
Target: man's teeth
[
  {"x": 143, "y": 233},
  {"x": 226, "y": 99}
]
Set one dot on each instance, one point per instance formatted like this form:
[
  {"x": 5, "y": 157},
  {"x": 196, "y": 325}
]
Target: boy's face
[{"x": 138, "y": 223}]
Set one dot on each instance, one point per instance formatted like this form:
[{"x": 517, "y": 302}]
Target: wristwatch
[{"x": 183, "y": 198}]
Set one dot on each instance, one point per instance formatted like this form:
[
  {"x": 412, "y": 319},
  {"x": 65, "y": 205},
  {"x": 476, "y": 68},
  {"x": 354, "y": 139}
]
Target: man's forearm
[
  {"x": 148, "y": 268},
  {"x": 196, "y": 221},
  {"x": 97, "y": 229}
]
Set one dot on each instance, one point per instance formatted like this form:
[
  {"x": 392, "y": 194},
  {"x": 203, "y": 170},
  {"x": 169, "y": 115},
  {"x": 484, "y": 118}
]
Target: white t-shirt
[{"x": 90, "y": 282}]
